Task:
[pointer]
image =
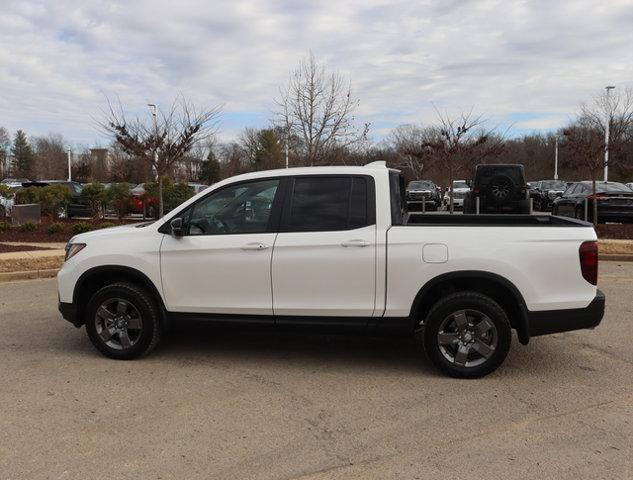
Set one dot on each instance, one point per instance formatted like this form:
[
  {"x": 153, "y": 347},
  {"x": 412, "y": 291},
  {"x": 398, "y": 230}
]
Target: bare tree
[
  {"x": 318, "y": 107},
  {"x": 585, "y": 139},
  {"x": 409, "y": 142},
  {"x": 5, "y": 145},
  {"x": 586, "y": 148},
  {"x": 163, "y": 142},
  {"x": 51, "y": 159},
  {"x": 461, "y": 141}
]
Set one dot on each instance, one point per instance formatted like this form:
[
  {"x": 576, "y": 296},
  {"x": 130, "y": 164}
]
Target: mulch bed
[
  {"x": 41, "y": 235},
  {"x": 615, "y": 231},
  {"x": 4, "y": 248}
]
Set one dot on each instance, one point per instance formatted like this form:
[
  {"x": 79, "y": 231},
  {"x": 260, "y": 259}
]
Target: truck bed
[{"x": 446, "y": 220}]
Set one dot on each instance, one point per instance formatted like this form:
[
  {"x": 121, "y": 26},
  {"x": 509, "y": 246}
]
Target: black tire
[
  {"x": 454, "y": 305},
  {"x": 145, "y": 338}
]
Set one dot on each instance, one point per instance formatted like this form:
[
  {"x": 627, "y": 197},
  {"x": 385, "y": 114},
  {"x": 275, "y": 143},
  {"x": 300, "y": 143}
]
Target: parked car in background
[
  {"x": 544, "y": 192},
  {"x": 460, "y": 189},
  {"x": 142, "y": 202},
  {"x": 15, "y": 182},
  {"x": 76, "y": 207},
  {"x": 197, "y": 187},
  {"x": 422, "y": 195},
  {"x": 500, "y": 188},
  {"x": 614, "y": 201},
  {"x": 7, "y": 201}
]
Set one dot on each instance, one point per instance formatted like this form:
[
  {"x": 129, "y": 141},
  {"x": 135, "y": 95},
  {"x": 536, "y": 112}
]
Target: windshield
[
  {"x": 553, "y": 185},
  {"x": 421, "y": 184},
  {"x": 611, "y": 187},
  {"x": 460, "y": 184}
]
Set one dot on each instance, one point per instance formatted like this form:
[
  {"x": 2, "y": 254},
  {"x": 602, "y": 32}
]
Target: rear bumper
[
  {"x": 555, "y": 321},
  {"x": 70, "y": 313}
]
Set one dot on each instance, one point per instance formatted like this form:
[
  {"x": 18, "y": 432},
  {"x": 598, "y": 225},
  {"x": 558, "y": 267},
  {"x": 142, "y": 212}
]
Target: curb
[
  {"x": 27, "y": 275},
  {"x": 616, "y": 257}
]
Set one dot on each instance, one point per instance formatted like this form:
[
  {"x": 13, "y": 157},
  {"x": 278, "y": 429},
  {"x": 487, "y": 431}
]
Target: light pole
[
  {"x": 556, "y": 161},
  {"x": 69, "y": 171},
  {"x": 152, "y": 108},
  {"x": 606, "y": 134}
]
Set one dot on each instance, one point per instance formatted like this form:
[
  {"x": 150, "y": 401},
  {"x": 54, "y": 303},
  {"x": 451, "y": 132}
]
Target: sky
[{"x": 524, "y": 65}]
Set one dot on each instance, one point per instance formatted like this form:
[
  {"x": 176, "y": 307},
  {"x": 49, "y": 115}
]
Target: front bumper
[
  {"x": 555, "y": 321},
  {"x": 69, "y": 312}
]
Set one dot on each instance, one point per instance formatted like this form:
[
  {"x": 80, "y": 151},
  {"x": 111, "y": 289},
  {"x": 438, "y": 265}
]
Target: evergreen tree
[
  {"x": 22, "y": 156},
  {"x": 210, "y": 169}
]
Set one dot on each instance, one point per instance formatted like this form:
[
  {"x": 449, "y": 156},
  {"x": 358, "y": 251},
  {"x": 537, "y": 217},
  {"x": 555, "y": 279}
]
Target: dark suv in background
[
  {"x": 544, "y": 192},
  {"x": 421, "y": 192},
  {"x": 501, "y": 188},
  {"x": 77, "y": 207}
]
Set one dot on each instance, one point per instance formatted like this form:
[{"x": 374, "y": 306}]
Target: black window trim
[{"x": 287, "y": 203}]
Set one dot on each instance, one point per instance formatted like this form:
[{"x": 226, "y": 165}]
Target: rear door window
[{"x": 329, "y": 204}]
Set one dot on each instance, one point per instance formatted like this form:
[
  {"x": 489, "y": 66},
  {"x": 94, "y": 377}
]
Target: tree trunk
[
  {"x": 595, "y": 202},
  {"x": 160, "y": 196},
  {"x": 450, "y": 191}
]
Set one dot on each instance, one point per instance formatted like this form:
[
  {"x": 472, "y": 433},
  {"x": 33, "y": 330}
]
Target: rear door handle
[
  {"x": 355, "y": 243},
  {"x": 255, "y": 246}
]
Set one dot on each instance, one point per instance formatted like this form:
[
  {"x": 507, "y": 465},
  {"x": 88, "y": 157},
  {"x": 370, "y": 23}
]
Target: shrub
[
  {"x": 173, "y": 193},
  {"x": 55, "y": 227},
  {"x": 94, "y": 195},
  {"x": 28, "y": 226},
  {"x": 5, "y": 226},
  {"x": 53, "y": 198},
  {"x": 27, "y": 195},
  {"x": 106, "y": 225},
  {"x": 81, "y": 227},
  {"x": 5, "y": 191},
  {"x": 118, "y": 198}
]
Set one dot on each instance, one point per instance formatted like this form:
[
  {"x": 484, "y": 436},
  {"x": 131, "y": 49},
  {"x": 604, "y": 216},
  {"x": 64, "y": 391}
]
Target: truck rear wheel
[
  {"x": 122, "y": 321},
  {"x": 467, "y": 335}
]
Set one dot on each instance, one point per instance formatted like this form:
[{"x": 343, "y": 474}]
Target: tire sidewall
[
  {"x": 465, "y": 301},
  {"x": 144, "y": 305}
]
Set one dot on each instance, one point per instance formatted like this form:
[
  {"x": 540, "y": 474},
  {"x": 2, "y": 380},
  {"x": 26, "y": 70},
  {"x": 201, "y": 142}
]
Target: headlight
[{"x": 73, "y": 249}]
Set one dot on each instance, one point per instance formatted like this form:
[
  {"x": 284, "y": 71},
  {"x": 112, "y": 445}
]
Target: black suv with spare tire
[{"x": 501, "y": 188}]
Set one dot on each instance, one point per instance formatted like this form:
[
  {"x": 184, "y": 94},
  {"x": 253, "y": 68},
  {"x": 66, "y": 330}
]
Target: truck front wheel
[
  {"x": 122, "y": 321},
  {"x": 467, "y": 335}
]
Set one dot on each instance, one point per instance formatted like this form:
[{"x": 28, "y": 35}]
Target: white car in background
[
  {"x": 460, "y": 189},
  {"x": 6, "y": 203}
]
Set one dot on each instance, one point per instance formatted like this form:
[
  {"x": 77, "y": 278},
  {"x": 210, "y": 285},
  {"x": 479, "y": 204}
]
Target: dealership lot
[{"x": 218, "y": 404}]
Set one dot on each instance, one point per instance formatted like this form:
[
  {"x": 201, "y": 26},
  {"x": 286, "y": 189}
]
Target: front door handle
[
  {"x": 355, "y": 243},
  {"x": 255, "y": 246}
]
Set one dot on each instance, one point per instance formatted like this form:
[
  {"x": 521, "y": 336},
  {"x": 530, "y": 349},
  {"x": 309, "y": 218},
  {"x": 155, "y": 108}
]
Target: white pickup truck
[{"x": 333, "y": 246}]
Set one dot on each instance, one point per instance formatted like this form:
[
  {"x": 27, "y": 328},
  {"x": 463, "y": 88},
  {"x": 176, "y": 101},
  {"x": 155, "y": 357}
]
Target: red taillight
[
  {"x": 597, "y": 196},
  {"x": 589, "y": 261},
  {"x": 476, "y": 190}
]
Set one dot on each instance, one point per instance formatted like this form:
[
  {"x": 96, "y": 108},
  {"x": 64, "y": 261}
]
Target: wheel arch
[
  {"x": 500, "y": 289},
  {"x": 98, "y": 277}
]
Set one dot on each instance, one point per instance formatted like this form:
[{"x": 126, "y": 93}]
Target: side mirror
[{"x": 176, "y": 227}]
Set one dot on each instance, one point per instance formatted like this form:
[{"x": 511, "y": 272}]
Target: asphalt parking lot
[{"x": 221, "y": 405}]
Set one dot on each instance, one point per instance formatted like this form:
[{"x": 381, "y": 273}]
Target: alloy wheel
[
  {"x": 118, "y": 323},
  {"x": 467, "y": 338}
]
